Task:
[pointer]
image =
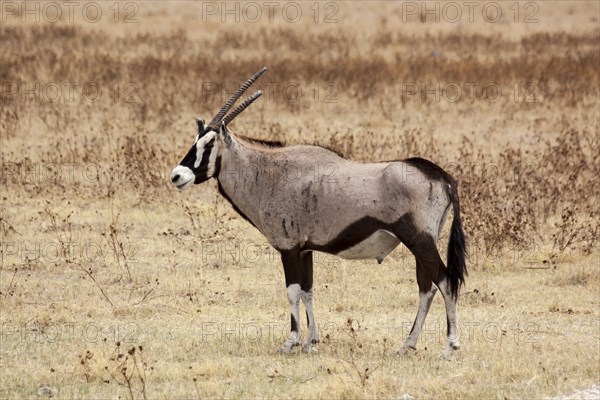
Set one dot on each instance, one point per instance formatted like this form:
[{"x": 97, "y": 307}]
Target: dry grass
[{"x": 113, "y": 284}]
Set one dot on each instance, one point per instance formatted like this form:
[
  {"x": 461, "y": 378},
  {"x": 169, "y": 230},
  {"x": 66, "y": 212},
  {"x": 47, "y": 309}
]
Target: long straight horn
[
  {"x": 214, "y": 124},
  {"x": 242, "y": 107}
]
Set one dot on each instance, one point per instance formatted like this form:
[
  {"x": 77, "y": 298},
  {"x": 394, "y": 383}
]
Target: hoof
[
  {"x": 287, "y": 347},
  {"x": 450, "y": 349},
  {"x": 307, "y": 346},
  {"x": 406, "y": 350}
]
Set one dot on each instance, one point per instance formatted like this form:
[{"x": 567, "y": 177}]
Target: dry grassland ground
[{"x": 115, "y": 285}]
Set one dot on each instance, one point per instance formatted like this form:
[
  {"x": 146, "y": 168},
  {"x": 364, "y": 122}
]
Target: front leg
[
  {"x": 313, "y": 333},
  {"x": 306, "y": 294},
  {"x": 292, "y": 267}
]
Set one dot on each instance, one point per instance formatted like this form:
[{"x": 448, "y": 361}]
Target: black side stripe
[{"x": 404, "y": 229}]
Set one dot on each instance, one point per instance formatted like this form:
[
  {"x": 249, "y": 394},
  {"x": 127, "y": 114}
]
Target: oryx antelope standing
[{"x": 358, "y": 211}]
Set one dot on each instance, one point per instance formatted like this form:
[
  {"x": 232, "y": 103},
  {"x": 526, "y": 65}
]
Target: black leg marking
[
  {"x": 292, "y": 266},
  {"x": 306, "y": 282}
]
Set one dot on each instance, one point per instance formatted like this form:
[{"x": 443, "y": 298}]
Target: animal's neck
[{"x": 240, "y": 175}]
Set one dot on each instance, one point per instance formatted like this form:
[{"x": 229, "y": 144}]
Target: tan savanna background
[{"x": 115, "y": 285}]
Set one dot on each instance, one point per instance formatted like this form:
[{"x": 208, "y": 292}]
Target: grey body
[
  {"x": 307, "y": 198},
  {"x": 324, "y": 194}
]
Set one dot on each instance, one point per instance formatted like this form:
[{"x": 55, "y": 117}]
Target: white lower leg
[
  {"x": 313, "y": 334},
  {"x": 425, "y": 299},
  {"x": 293, "y": 293},
  {"x": 453, "y": 342}
]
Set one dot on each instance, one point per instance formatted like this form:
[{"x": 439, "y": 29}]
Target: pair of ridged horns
[{"x": 221, "y": 118}]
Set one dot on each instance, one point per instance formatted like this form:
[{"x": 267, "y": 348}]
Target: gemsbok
[{"x": 358, "y": 211}]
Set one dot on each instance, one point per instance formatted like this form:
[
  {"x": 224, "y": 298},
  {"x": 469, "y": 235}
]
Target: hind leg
[
  {"x": 452, "y": 340},
  {"x": 431, "y": 271},
  {"x": 450, "y": 301},
  {"x": 427, "y": 291}
]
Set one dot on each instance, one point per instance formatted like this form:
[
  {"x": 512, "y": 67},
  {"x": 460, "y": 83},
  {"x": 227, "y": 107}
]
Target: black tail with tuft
[{"x": 457, "y": 247}]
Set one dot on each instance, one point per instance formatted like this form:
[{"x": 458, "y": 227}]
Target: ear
[
  {"x": 200, "y": 123},
  {"x": 224, "y": 132}
]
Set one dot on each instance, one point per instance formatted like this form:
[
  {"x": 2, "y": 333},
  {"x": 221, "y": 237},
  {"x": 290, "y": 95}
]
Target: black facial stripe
[
  {"x": 189, "y": 159},
  {"x": 206, "y": 154},
  {"x": 202, "y": 171}
]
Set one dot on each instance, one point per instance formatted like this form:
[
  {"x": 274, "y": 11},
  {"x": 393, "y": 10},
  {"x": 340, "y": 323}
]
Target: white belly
[{"x": 378, "y": 246}]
